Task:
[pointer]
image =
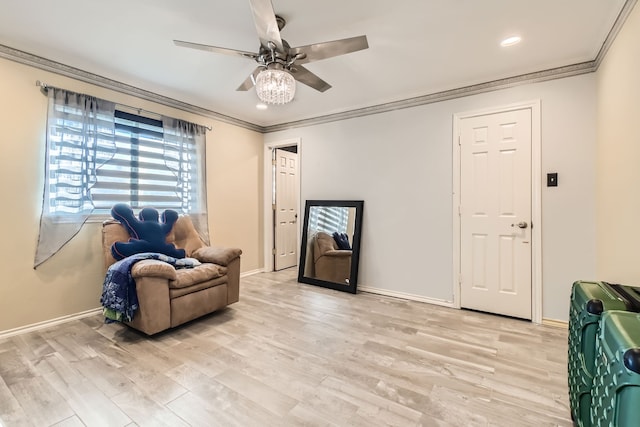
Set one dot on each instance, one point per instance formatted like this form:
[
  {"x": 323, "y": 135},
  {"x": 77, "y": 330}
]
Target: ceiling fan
[{"x": 278, "y": 63}]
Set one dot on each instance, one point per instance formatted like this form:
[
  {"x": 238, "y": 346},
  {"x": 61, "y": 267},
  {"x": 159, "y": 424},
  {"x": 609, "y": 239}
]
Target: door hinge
[
  {"x": 459, "y": 210},
  {"x": 273, "y": 162},
  {"x": 273, "y": 251},
  {"x": 459, "y": 279}
]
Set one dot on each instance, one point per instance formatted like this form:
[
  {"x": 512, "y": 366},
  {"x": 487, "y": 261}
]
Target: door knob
[{"x": 521, "y": 224}]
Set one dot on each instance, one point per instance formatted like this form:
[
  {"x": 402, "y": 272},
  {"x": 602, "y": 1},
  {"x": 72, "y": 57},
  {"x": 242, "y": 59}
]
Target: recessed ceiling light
[
  {"x": 510, "y": 41},
  {"x": 261, "y": 106}
]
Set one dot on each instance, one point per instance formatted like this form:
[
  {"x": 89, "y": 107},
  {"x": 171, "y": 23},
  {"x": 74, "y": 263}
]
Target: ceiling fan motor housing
[{"x": 268, "y": 56}]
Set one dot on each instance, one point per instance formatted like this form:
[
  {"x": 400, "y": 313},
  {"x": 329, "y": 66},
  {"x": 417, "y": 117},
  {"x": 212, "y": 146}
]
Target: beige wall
[
  {"x": 71, "y": 281},
  {"x": 618, "y": 157},
  {"x": 235, "y": 171}
]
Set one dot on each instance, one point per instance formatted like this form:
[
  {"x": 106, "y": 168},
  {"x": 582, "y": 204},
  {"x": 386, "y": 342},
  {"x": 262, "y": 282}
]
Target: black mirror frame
[{"x": 355, "y": 246}]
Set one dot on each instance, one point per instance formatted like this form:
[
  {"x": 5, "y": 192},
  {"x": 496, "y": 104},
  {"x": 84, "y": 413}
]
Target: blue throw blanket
[{"x": 119, "y": 299}]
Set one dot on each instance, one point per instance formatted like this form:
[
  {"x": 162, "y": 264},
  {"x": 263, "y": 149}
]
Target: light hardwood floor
[{"x": 290, "y": 354}]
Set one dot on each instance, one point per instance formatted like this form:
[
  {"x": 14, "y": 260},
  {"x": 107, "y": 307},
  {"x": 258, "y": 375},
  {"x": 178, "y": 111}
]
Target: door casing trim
[
  {"x": 267, "y": 189},
  {"x": 536, "y": 198}
]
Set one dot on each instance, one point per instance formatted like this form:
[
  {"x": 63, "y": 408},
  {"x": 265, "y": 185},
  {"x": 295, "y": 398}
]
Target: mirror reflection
[{"x": 330, "y": 244}]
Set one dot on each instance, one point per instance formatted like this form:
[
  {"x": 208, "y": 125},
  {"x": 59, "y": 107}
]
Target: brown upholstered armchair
[
  {"x": 330, "y": 263},
  {"x": 169, "y": 297}
]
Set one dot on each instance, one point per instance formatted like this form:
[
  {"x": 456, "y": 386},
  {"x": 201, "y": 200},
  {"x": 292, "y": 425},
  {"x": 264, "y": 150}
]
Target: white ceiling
[{"x": 416, "y": 47}]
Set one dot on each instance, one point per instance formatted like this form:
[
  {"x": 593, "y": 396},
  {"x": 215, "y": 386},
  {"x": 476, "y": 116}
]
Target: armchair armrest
[
  {"x": 217, "y": 255},
  {"x": 153, "y": 268},
  {"x": 154, "y": 314},
  {"x": 338, "y": 253}
]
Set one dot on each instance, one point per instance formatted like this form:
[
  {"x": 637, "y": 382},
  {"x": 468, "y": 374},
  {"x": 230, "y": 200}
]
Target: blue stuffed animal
[{"x": 147, "y": 233}]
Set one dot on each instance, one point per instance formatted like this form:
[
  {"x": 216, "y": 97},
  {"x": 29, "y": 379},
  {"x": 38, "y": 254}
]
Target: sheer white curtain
[
  {"x": 185, "y": 155},
  {"x": 93, "y": 157},
  {"x": 80, "y": 138}
]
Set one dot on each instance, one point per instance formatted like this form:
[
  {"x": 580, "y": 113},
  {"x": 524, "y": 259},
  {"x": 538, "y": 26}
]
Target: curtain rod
[{"x": 45, "y": 87}]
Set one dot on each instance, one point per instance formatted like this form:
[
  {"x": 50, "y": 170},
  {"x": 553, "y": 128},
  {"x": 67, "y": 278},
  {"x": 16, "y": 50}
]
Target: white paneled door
[
  {"x": 495, "y": 213},
  {"x": 286, "y": 210}
]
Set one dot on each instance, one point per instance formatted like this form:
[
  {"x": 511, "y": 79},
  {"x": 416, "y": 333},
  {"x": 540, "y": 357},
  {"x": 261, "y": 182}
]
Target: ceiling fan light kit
[
  {"x": 275, "y": 86},
  {"x": 275, "y": 77}
]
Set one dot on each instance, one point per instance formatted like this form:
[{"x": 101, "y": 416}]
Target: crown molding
[
  {"x": 535, "y": 77},
  {"x": 617, "y": 26},
  {"x": 539, "y": 76},
  {"x": 95, "y": 79}
]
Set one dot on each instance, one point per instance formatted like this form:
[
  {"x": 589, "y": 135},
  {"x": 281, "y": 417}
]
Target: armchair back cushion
[{"x": 183, "y": 235}]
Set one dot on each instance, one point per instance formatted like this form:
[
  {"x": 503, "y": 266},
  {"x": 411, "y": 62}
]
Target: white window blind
[
  {"x": 149, "y": 167},
  {"x": 329, "y": 219}
]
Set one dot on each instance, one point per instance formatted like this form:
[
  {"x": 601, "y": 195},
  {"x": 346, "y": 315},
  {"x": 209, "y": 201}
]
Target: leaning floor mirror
[{"x": 331, "y": 244}]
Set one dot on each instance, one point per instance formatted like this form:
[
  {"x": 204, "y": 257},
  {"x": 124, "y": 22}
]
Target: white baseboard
[
  {"x": 555, "y": 323},
  {"x": 412, "y": 297},
  {"x": 48, "y": 323},
  {"x": 252, "y": 272},
  {"x": 402, "y": 295}
]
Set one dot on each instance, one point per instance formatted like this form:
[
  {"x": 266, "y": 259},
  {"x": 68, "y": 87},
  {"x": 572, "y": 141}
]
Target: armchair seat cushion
[
  {"x": 191, "y": 276},
  {"x": 178, "y": 292}
]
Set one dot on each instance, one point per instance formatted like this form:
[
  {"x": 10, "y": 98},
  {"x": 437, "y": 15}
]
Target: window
[
  {"x": 329, "y": 219},
  {"x": 127, "y": 158},
  {"x": 150, "y": 167},
  {"x": 98, "y": 155}
]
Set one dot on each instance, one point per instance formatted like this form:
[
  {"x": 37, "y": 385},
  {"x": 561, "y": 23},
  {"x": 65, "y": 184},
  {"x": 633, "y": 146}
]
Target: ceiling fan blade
[
  {"x": 315, "y": 52},
  {"x": 266, "y": 25},
  {"x": 305, "y": 76},
  {"x": 215, "y": 49},
  {"x": 251, "y": 80}
]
